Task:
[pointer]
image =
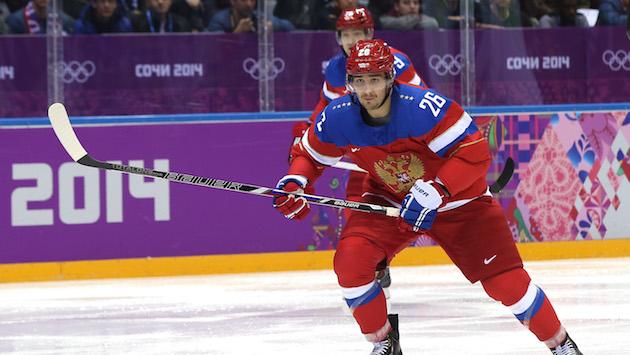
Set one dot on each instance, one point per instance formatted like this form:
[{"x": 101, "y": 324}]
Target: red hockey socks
[
  {"x": 527, "y": 302},
  {"x": 355, "y": 262},
  {"x": 368, "y": 306}
]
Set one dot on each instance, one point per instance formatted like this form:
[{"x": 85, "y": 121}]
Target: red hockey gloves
[
  {"x": 419, "y": 208},
  {"x": 298, "y": 131},
  {"x": 290, "y": 206}
]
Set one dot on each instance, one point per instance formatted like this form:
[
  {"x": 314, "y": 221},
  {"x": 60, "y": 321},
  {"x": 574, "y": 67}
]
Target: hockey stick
[
  {"x": 65, "y": 133},
  {"x": 504, "y": 178},
  {"x": 628, "y": 24}
]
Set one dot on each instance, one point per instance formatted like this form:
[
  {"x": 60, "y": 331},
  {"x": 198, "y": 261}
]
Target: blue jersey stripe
[{"x": 365, "y": 298}]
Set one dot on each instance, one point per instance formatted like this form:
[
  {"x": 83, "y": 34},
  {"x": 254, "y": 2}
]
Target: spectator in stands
[
  {"x": 159, "y": 18},
  {"x": 242, "y": 17},
  {"x": 14, "y": 5},
  {"x": 195, "y": 12},
  {"x": 103, "y": 16},
  {"x": 3, "y": 27},
  {"x": 133, "y": 7},
  {"x": 535, "y": 8},
  {"x": 4, "y": 13},
  {"x": 407, "y": 15},
  {"x": 326, "y": 18},
  {"x": 73, "y": 8},
  {"x": 446, "y": 12},
  {"x": 564, "y": 15},
  {"x": 379, "y": 8},
  {"x": 4, "y": 10},
  {"x": 32, "y": 19},
  {"x": 613, "y": 12},
  {"x": 301, "y": 13},
  {"x": 500, "y": 13}
]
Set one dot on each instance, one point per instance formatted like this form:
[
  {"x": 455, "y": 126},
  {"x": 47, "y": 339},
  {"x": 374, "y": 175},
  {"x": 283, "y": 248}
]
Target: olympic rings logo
[
  {"x": 617, "y": 60},
  {"x": 75, "y": 71},
  {"x": 253, "y": 67},
  {"x": 446, "y": 64}
]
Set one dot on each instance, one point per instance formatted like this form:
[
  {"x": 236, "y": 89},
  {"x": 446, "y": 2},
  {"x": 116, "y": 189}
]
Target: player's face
[
  {"x": 371, "y": 89},
  {"x": 350, "y": 37}
]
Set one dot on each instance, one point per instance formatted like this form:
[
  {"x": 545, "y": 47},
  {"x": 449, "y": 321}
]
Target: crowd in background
[{"x": 240, "y": 16}]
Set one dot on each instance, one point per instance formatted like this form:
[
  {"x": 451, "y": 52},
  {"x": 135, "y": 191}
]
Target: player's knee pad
[
  {"x": 361, "y": 295},
  {"x": 353, "y": 264},
  {"x": 507, "y": 287},
  {"x": 515, "y": 290}
]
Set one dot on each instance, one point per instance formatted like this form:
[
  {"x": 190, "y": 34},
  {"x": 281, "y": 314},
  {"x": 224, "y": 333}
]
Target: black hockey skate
[
  {"x": 391, "y": 344},
  {"x": 567, "y": 347}
]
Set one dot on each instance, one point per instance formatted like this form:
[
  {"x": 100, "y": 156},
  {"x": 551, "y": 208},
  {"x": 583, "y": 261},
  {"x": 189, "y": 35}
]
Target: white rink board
[{"x": 301, "y": 313}]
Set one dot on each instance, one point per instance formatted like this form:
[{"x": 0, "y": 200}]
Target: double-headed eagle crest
[{"x": 400, "y": 172}]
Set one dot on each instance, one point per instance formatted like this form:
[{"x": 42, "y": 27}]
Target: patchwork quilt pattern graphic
[{"x": 571, "y": 178}]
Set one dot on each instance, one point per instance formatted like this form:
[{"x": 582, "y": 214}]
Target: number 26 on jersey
[{"x": 432, "y": 101}]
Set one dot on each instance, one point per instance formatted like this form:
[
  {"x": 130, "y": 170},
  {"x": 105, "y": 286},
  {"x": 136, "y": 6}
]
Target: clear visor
[{"x": 368, "y": 82}]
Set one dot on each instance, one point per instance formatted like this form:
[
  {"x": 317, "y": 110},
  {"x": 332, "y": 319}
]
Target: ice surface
[{"x": 301, "y": 313}]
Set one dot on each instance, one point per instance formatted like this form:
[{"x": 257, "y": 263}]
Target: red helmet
[
  {"x": 355, "y": 18},
  {"x": 370, "y": 57}
]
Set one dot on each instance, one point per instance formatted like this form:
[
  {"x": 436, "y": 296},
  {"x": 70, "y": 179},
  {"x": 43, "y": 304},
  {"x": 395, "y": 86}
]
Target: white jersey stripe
[
  {"x": 322, "y": 159},
  {"x": 354, "y": 292},
  {"x": 451, "y": 134},
  {"x": 526, "y": 301},
  {"x": 330, "y": 95},
  {"x": 416, "y": 80}
]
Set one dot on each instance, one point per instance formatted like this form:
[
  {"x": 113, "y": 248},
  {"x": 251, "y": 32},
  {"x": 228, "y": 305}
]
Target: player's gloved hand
[
  {"x": 419, "y": 208},
  {"x": 290, "y": 206},
  {"x": 298, "y": 131}
]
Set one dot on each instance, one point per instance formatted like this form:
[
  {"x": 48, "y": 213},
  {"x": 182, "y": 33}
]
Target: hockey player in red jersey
[
  {"x": 423, "y": 154},
  {"x": 354, "y": 25}
]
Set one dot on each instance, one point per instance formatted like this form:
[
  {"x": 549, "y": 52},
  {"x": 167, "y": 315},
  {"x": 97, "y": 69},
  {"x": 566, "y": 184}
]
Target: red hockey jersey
[{"x": 428, "y": 137}]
